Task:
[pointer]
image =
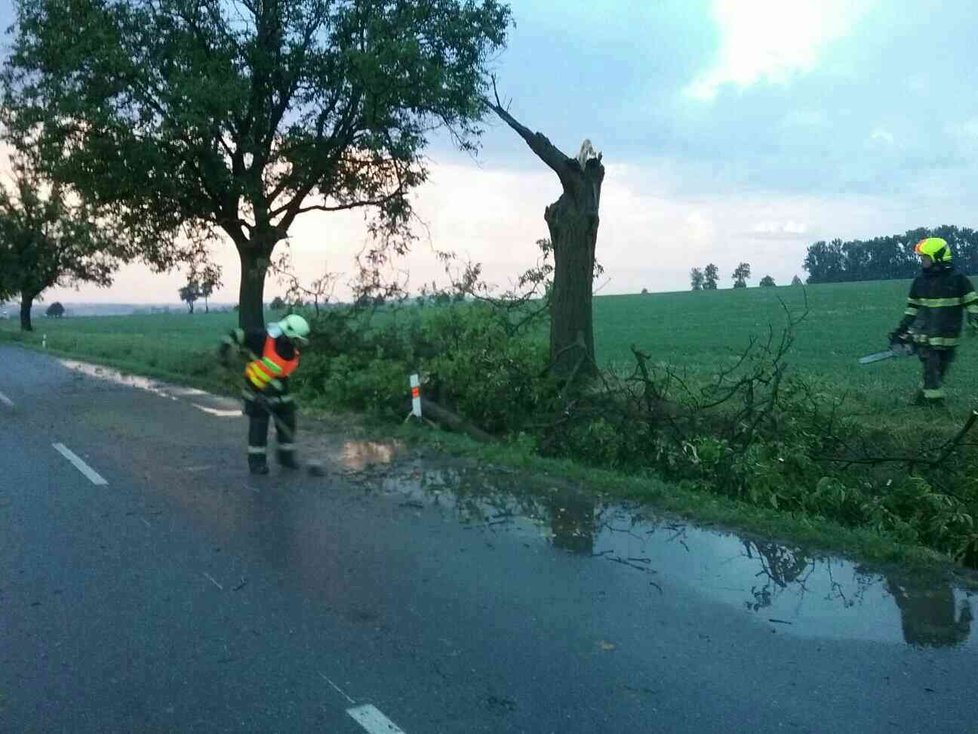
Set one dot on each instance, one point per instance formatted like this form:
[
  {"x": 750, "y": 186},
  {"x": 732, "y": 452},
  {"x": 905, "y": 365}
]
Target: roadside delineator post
[
  {"x": 44, "y": 342},
  {"x": 416, "y": 396}
]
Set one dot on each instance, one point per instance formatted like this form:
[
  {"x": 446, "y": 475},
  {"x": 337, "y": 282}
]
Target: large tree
[
  {"x": 190, "y": 294},
  {"x": 48, "y": 238},
  {"x": 241, "y": 115},
  {"x": 740, "y": 275},
  {"x": 573, "y": 223},
  {"x": 711, "y": 275}
]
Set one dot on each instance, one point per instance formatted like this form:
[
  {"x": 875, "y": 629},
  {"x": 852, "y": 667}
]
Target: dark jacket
[{"x": 939, "y": 297}]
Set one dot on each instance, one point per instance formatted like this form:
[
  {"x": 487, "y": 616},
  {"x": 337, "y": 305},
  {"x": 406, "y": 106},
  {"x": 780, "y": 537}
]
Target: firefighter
[
  {"x": 932, "y": 322},
  {"x": 272, "y": 356}
]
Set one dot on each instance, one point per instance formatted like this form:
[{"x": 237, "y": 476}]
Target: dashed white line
[
  {"x": 211, "y": 579},
  {"x": 6, "y": 401},
  {"x": 93, "y": 476},
  {"x": 219, "y": 412},
  {"x": 370, "y": 718},
  {"x": 338, "y": 689}
]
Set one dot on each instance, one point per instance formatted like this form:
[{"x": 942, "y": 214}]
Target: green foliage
[
  {"x": 465, "y": 352},
  {"x": 741, "y": 275},
  {"x": 888, "y": 257},
  {"x": 242, "y": 116},
  {"x": 189, "y": 294},
  {"x": 47, "y": 239},
  {"x": 711, "y": 276}
]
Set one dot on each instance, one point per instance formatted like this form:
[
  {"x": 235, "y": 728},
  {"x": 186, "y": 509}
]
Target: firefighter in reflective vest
[
  {"x": 271, "y": 356},
  {"x": 939, "y": 297}
]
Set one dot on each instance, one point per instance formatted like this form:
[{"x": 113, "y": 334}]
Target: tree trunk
[
  {"x": 26, "y": 303},
  {"x": 573, "y": 233},
  {"x": 573, "y": 223},
  {"x": 251, "y": 295}
]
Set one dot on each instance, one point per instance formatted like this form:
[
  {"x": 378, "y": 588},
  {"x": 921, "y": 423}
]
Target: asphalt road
[{"x": 148, "y": 583}]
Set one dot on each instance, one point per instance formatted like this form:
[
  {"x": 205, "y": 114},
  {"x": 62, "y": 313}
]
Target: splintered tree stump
[{"x": 573, "y": 223}]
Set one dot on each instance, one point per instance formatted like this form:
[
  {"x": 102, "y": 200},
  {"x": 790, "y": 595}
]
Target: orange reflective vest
[{"x": 271, "y": 366}]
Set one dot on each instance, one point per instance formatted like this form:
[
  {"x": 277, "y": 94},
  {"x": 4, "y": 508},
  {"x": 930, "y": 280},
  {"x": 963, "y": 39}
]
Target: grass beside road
[
  {"x": 696, "y": 331},
  {"x": 176, "y": 347}
]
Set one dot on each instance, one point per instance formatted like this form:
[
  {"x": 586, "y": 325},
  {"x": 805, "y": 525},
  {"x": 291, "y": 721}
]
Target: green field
[
  {"x": 174, "y": 346},
  {"x": 703, "y": 331},
  {"x": 697, "y": 331}
]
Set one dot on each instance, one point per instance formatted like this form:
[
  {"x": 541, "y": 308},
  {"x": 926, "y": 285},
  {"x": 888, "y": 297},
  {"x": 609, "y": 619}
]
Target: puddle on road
[
  {"x": 787, "y": 588},
  {"x": 215, "y": 405},
  {"x": 795, "y": 591}
]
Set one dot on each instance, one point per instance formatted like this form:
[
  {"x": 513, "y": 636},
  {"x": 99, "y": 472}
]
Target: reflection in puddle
[{"x": 781, "y": 586}]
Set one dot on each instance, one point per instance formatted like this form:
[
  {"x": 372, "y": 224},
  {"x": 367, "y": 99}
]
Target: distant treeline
[{"x": 886, "y": 258}]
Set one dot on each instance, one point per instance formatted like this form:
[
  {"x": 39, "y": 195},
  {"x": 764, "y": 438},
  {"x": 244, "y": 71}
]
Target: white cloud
[
  {"x": 771, "y": 40},
  {"x": 882, "y": 137},
  {"x": 785, "y": 229}
]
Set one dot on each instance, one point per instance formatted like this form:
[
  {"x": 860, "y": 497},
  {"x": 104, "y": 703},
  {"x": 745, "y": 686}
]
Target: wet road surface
[{"x": 409, "y": 590}]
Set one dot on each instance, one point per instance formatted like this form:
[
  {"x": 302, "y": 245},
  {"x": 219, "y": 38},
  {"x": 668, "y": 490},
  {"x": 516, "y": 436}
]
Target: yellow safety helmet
[
  {"x": 295, "y": 328},
  {"x": 935, "y": 248}
]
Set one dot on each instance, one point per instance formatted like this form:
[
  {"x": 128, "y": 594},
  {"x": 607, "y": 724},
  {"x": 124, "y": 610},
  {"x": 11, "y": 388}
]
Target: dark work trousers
[
  {"x": 285, "y": 425},
  {"x": 936, "y": 363}
]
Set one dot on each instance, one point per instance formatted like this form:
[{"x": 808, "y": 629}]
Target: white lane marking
[
  {"x": 220, "y": 413},
  {"x": 370, "y": 718},
  {"x": 6, "y": 401},
  {"x": 338, "y": 689},
  {"x": 146, "y": 522},
  {"x": 93, "y": 476},
  {"x": 211, "y": 579}
]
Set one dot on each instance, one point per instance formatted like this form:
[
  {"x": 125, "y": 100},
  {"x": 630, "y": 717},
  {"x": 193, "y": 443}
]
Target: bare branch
[{"x": 538, "y": 142}]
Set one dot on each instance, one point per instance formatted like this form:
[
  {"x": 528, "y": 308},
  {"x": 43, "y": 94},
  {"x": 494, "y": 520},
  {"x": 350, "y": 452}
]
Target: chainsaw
[{"x": 897, "y": 349}]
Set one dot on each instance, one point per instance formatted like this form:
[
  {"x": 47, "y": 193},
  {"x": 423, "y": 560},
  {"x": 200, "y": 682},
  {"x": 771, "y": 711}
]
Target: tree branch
[{"x": 538, "y": 142}]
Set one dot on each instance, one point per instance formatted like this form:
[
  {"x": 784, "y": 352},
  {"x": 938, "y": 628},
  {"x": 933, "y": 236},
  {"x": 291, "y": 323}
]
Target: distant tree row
[
  {"x": 706, "y": 279},
  {"x": 885, "y": 258}
]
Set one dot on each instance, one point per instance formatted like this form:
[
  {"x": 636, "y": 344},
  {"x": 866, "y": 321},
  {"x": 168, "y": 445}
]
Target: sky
[{"x": 731, "y": 130}]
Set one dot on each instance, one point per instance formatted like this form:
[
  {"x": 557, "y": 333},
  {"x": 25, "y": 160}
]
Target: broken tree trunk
[
  {"x": 453, "y": 421},
  {"x": 573, "y": 223}
]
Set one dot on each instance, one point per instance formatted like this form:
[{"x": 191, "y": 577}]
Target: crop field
[{"x": 704, "y": 331}]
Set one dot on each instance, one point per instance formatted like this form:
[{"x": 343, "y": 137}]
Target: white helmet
[{"x": 295, "y": 328}]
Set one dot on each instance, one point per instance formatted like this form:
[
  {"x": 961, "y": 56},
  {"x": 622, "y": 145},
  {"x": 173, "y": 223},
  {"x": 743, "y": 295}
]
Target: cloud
[
  {"x": 780, "y": 230},
  {"x": 772, "y": 40}
]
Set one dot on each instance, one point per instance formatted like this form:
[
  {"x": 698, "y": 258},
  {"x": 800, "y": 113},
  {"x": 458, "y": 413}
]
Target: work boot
[
  {"x": 287, "y": 460},
  {"x": 921, "y": 401},
  {"x": 257, "y": 465}
]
